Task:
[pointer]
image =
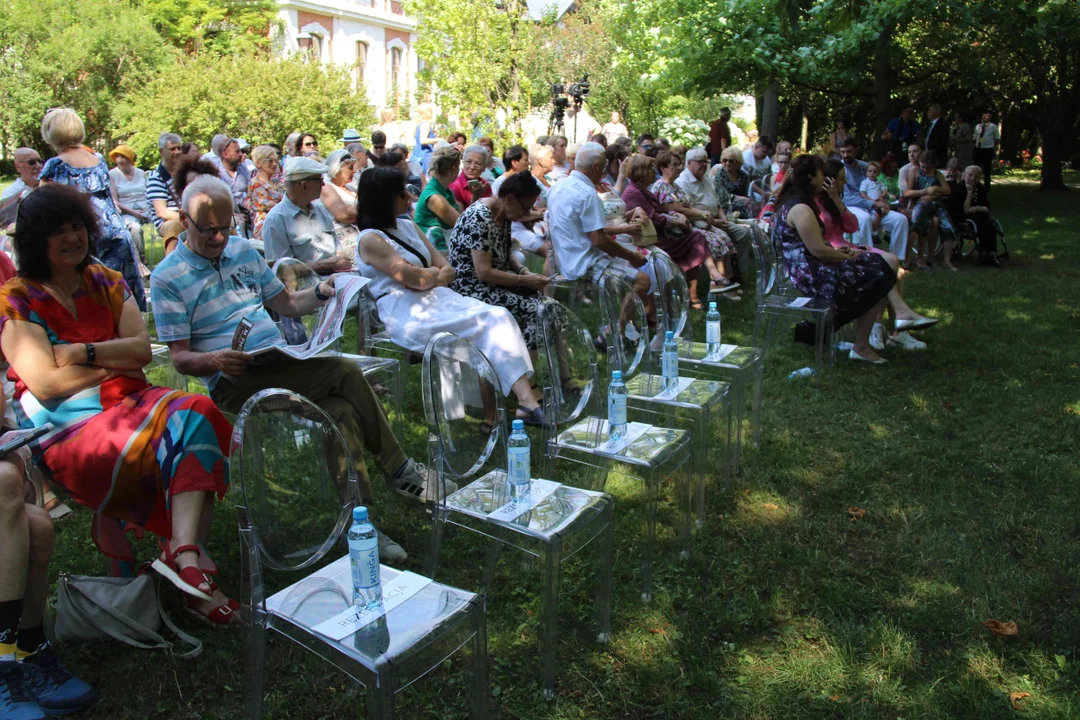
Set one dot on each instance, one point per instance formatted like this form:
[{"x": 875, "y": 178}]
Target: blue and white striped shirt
[{"x": 203, "y": 301}]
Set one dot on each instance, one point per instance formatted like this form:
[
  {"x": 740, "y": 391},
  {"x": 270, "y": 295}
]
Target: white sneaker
[
  {"x": 390, "y": 551},
  {"x": 907, "y": 341},
  {"x": 419, "y": 483},
  {"x": 877, "y": 337}
]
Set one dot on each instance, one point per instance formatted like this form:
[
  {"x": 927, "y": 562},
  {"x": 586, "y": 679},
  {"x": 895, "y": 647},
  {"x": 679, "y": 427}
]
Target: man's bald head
[
  {"x": 206, "y": 189},
  {"x": 206, "y": 211},
  {"x": 28, "y": 165}
]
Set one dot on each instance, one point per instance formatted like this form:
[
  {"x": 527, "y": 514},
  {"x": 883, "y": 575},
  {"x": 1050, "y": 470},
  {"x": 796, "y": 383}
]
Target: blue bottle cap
[
  {"x": 669, "y": 335},
  {"x": 359, "y": 513},
  {"x": 712, "y": 305},
  {"x": 616, "y": 374},
  {"x": 517, "y": 425}
]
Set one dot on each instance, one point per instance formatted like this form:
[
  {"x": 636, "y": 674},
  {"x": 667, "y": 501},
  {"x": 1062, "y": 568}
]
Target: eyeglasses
[
  {"x": 212, "y": 230},
  {"x": 729, "y": 160},
  {"x": 35, "y": 161}
]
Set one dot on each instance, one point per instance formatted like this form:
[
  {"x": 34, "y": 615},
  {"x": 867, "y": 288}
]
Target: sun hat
[
  {"x": 124, "y": 150},
  {"x": 302, "y": 168},
  {"x": 243, "y": 144},
  {"x": 351, "y": 135}
]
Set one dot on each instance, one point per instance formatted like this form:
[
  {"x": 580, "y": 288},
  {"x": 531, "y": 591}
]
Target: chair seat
[
  {"x": 656, "y": 447},
  {"x": 815, "y": 306},
  {"x": 427, "y": 615},
  {"x": 560, "y": 513},
  {"x": 369, "y": 363},
  {"x": 699, "y": 394},
  {"x": 743, "y": 356}
]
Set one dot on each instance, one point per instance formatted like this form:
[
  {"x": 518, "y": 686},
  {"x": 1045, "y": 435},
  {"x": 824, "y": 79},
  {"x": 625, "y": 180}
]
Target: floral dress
[
  {"x": 922, "y": 213},
  {"x": 262, "y": 196},
  {"x": 726, "y": 187},
  {"x": 476, "y": 229},
  {"x": 853, "y": 286},
  {"x": 718, "y": 241},
  {"x": 113, "y": 246}
]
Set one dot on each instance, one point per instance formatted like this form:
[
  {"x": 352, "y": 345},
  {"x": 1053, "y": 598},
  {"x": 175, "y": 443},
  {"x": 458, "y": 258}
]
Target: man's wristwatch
[
  {"x": 319, "y": 293},
  {"x": 91, "y": 353}
]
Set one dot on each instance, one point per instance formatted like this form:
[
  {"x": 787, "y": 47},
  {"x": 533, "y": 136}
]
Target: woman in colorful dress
[
  {"x": 150, "y": 457},
  {"x": 720, "y": 262},
  {"x": 87, "y": 172},
  {"x": 930, "y": 213},
  {"x": 266, "y": 188},
  {"x": 854, "y": 281}
]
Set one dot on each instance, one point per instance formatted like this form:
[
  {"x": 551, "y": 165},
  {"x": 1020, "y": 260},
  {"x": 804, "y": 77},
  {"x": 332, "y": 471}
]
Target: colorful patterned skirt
[{"x": 126, "y": 462}]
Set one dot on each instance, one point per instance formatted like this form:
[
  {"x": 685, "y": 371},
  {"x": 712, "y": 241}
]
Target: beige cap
[{"x": 302, "y": 168}]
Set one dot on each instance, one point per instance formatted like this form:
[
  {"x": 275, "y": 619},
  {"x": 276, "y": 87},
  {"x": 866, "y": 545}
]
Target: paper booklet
[{"x": 328, "y": 330}]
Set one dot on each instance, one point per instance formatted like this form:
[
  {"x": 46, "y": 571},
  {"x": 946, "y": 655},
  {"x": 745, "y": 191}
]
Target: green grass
[{"x": 965, "y": 458}]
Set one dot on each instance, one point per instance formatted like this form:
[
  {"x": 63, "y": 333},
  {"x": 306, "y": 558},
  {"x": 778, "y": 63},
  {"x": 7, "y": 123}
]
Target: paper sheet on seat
[
  {"x": 673, "y": 392},
  {"x": 395, "y": 593},
  {"x": 539, "y": 490},
  {"x": 798, "y": 302},
  {"x": 720, "y": 354},
  {"x": 633, "y": 431}
]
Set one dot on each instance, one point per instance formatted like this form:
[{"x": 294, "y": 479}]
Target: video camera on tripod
[{"x": 561, "y": 96}]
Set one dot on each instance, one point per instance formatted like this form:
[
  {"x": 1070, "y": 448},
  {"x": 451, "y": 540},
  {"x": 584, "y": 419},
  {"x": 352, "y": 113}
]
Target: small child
[{"x": 874, "y": 190}]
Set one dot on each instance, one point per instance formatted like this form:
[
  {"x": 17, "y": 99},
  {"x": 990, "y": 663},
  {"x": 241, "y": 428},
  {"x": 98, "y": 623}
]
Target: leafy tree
[
  {"x": 82, "y": 55},
  {"x": 260, "y": 99},
  {"x": 219, "y": 26}
]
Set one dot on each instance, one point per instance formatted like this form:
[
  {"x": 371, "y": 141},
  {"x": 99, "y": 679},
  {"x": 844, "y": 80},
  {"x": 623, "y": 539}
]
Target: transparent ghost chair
[
  {"x": 296, "y": 275},
  {"x": 576, "y": 432},
  {"x": 161, "y": 372},
  {"x": 777, "y": 298},
  {"x": 466, "y": 434},
  {"x": 742, "y": 365},
  {"x": 695, "y": 405},
  {"x": 299, "y": 486}
]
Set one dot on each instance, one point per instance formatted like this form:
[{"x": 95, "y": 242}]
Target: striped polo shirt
[
  {"x": 203, "y": 301},
  {"x": 159, "y": 187}
]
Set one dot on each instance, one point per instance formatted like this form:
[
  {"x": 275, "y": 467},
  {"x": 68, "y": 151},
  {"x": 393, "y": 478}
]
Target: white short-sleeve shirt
[{"x": 574, "y": 211}]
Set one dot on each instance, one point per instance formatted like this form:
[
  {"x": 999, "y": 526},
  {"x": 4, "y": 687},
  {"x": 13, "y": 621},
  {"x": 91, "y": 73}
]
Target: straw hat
[{"x": 124, "y": 150}]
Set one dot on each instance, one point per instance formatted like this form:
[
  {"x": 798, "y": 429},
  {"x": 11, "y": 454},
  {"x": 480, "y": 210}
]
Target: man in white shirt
[
  {"x": 987, "y": 138},
  {"x": 583, "y": 250},
  {"x": 756, "y": 161},
  {"x": 701, "y": 193},
  {"x": 28, "y": 166}
]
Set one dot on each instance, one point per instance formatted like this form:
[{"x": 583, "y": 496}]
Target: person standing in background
[
  {"x": 987, "y": 139},
  {"x": 719, "y": 136}
]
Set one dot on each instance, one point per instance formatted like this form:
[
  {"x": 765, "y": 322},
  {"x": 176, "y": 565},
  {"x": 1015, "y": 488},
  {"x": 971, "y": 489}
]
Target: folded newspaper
[{"x": 331, "y": 318}]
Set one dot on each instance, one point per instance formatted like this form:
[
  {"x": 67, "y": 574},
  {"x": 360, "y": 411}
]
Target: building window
[
  {"x": 361, "y": 62},
  {"x": 395, "y": 72}
]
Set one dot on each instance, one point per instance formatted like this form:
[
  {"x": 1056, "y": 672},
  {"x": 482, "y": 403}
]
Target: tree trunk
[
  {"x": 770, "y": 111},
  {"x": 1056, "y": 134},
  {"x": 804, "y": 137},
  {"x": 882, "y": 97}
]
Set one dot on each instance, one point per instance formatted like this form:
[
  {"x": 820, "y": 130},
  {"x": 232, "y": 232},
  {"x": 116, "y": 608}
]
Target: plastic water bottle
[
  {"x": 364, "y": 559},
  {"x": 669, "y": 360},
  {"x": 801, "y": 373},
  {"x": 517, "y": 472},
  {"x": 616, "y": 407},
  {"x": 712, "y": 329}
]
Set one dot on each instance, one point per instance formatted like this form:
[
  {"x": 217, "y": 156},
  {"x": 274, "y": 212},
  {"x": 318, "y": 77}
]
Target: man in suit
[{"x": 937, "y": 133}]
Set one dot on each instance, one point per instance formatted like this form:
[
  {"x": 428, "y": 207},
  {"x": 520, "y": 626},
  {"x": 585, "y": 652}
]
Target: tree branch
[
  {"x": 925, "y": 76},
  {"x": 828, "y": 91}
]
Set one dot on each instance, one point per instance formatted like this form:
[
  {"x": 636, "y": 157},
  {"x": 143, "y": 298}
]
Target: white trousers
[{"x": 895, "y": 223}]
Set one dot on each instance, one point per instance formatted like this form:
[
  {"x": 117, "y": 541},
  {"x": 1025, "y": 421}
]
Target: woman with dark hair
[
  {"x": 188, "y": 170},
  {"x": 411, "y": 283},
  {"x": 147, "y": 456},
  {"x": 836, "y": 220},
  {"x": 480, "y": 253},
  {"x": 615, "y": 177},
  {"x": 930, "y": 213},
  {"x": 854, "y": 281}
]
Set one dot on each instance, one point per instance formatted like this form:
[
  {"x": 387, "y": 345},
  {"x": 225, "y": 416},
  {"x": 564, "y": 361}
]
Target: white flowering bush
[{"x": 687, "y": 132}]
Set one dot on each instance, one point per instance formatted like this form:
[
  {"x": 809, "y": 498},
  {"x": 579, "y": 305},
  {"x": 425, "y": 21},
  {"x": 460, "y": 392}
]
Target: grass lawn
[{"x": 964, "y": 458}]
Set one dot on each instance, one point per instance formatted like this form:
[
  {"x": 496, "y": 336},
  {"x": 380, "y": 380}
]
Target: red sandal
[
  {"x": 220, "y": 616},
  {"x": 186, "y": 579},
  {"x": 206, "y": 564}
]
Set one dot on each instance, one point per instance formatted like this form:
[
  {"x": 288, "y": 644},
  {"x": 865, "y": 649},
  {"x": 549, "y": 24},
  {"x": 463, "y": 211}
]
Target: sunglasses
[
  {"x": 36, "y": 161},
  {"x": 311, "y": 143}
]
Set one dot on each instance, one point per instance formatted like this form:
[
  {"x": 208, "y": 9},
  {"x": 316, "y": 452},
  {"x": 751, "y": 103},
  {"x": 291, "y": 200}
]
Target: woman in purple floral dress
[{"x": 856, "y": 282}]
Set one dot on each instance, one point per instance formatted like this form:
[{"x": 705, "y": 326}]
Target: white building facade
[{"x": 372, "y": 37}]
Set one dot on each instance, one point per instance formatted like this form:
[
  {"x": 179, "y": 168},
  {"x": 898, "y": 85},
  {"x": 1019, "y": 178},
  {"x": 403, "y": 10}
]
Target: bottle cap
[
  {"x": 359, "y": 513},
  {"x": 517, "y": 425},
  {"x": 669, "y": 335},
  {"x": 712, "y": 305}
]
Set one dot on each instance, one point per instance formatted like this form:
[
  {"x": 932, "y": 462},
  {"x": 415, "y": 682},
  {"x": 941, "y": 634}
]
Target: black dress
[{"x": 476, "y": 229}]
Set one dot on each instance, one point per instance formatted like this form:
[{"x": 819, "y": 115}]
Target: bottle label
[
  {"x": 617, "y": 410},
  {"x": 519, "y": 466},
  {"x": 365, "y": 567},
  {"x": 712, "y": 332},
  {"x": 670, "y": 364}
]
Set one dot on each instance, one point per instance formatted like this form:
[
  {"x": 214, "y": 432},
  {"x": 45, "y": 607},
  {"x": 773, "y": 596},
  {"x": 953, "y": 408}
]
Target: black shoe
[{"x": 805, "y": 333}]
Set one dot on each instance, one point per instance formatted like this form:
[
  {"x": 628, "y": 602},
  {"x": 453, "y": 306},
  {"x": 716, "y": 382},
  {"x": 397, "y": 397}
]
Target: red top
[
  {"x": 834, "y": 231},
  {"x": 462, "y": 193},
  {"x": 718, "y": 131}
]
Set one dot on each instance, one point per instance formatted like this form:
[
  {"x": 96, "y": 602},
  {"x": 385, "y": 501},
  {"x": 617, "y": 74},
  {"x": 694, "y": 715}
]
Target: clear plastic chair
[
  {"x": 694, "y": 407},
  {"x": 742, "y": 365},
  {"x": 466, "y": 430},
  {"x": 574, "y": 399},
  {"x": 298, "y": 484},
  {"x": 778, "y": 298},
  {"x": 160, "y": 371},
  {"x": 297, "y": 275}
]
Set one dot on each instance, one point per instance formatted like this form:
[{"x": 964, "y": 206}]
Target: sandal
[
  {"x": 531, "y": 417},
  {"x": 723, "y": 285},
  {"x": 206, "y": 564},
  {"x": 696, "y": 305},
  {"x": 186, "y": 579},
  {"x": 220, "y": 616}
]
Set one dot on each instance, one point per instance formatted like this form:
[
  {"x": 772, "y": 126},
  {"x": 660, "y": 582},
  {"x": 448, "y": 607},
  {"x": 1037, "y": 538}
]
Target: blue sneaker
[
  {"x": 15, "y": 704},
  {"x": 57, "y": 691}
]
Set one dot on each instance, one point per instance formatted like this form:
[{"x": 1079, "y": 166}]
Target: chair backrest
[
  {"x": 627, "y": 340},
  {"x": 768, "y": 269},
  {"x": 672, "y": 295},
  {"x": 463, "y": 406},
  {"x": 296, "y": 476},
  {"x": 572, "y": 384}
]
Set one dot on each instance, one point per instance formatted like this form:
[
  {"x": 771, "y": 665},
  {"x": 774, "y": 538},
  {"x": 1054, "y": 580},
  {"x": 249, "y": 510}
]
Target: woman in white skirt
[{"x": 409, "y": 280}]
